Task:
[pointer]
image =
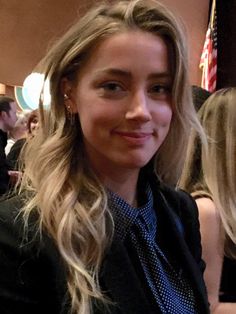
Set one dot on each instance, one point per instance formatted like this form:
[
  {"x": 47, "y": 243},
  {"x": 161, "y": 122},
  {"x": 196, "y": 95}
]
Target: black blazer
[
  {"x": 4, "y": 166},
  {"x": 33, "y": 277}
]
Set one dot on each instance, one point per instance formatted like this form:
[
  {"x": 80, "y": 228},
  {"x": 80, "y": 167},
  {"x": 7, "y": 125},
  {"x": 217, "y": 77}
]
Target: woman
[
  {"x": 103, "y": 234},
  {"x": 210, "y": 177},
  {"x": 33, "y": 123}
]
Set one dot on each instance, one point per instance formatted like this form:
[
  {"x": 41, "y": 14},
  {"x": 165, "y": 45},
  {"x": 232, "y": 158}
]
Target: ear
[
  {"x": 68, "y": 91},
  {"x": 3, "y": 115}
]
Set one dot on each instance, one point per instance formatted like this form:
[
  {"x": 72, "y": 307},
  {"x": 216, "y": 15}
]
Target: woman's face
[
  {"x": 123, "y": 99},
  {"x": 22, "y": 126},
  {"x": 34, "y": 126}
]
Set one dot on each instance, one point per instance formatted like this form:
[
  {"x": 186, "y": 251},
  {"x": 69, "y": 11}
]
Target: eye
[
  {"x": 160, "y": 89},
  {"x": 111, "y": 87}
]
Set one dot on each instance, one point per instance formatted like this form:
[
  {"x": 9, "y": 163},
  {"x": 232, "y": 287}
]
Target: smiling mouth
[
  {"x": 135, "y": 138},
  {"x": 134, "y": 134}
]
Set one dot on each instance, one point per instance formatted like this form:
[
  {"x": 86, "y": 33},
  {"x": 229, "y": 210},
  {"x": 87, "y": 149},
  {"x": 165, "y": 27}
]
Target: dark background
[{"x": 226, "y": 33}]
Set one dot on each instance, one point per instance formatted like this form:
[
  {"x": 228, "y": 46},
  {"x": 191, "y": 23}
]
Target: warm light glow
[
  {"x": 32, "y": 87},
  {"x": 2, "y": 89}
]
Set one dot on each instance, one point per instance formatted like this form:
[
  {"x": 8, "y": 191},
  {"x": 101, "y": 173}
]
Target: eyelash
[
  {"x": 109, "y": 86},
  {"x": 162, "y": 89}
]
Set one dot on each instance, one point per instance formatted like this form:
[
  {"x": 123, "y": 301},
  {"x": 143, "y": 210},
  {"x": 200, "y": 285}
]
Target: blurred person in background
[
  {"x": 14, "y": 155},
  {"x": 200, "y": 95},
  {"x": 19, "y": 130},
  {"x": 210, "y": 176},
  {"x": 8, "y": 119}
]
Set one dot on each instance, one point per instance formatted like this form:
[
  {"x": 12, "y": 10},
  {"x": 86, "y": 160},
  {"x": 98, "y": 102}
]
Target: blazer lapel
[
  {"x": 120, "y": 281},
  {"x": 176, "y": 235}
]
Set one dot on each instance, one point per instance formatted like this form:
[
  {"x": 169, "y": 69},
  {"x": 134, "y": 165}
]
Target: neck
[
  {"x": 2, "y": 127},
  {"x": 122, "y": 182},
  {"x": 125, "y": 187}
]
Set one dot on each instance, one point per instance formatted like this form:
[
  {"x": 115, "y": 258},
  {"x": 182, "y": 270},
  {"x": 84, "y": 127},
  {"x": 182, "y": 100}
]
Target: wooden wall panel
[{"x": 28, "y": 27}]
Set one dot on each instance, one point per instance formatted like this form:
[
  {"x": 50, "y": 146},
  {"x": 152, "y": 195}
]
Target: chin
[{"x": 137, "y": 163}]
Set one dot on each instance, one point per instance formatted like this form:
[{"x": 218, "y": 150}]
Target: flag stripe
[{"x": 208, "y": 62}]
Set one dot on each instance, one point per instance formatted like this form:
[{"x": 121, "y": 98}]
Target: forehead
[
  {"x": 33, "y": 118},
  {"x": 118, "y": 50}
]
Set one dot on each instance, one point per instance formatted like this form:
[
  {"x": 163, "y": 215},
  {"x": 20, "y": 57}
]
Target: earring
[
  {"x": 66, "y": 97},
  {"x": 69, "y": 113},
  {"x": 68, "y": 107}
]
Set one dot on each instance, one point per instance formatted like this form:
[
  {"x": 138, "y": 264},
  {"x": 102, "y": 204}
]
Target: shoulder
[
  {"x": 10, "y": 207},
  {"x": 16, "y": 148},
  {"x": 3, "y": 138},
  {"x": 19, "y": 143},
  {"x": 24, "y": 240},
  {"x": 11, "y": 222},
  {"x": 208, "y": 214},
  {"x": 175, "y": 192},
  {"x": 184, "y": 207},
  {"x": 176, "y": 198},
  {"x": 207, "y": 208},
  {"x": 185, "y": 212},
  {"x": 13, "y": 229},
  {"x": 183, "y": 201},
  {"x": 209, "y": 217},
  {"x": 31, "y": 267}
]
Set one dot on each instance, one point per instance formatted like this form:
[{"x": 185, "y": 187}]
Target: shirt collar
[{"x": 126, "y": 215}]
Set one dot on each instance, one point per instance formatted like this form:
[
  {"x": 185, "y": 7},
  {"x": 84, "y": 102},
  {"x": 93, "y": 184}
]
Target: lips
[
  {"x": 134, "y": 134},
  {"x": 136, "y": 138}
]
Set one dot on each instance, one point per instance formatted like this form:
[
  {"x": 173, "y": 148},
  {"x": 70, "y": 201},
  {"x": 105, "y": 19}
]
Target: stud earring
[
  {"x": 68, "y": 107},
  {"x": 69, "y": 112},
  {"x": 67, "y": 104},
  {"x": 66, "y": 97}
]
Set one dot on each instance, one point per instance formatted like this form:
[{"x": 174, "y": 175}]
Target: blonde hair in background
[
  {"x": 213, "y": 173},
  {"x": 21, "y": 122},
  {"x": 71, "y": 202}
]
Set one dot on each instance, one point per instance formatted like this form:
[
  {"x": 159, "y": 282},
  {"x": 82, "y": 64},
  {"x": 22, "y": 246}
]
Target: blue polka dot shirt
[{"x": 169, "y": 289}]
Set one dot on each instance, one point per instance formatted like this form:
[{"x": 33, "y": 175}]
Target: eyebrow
[{"x": 127, "y": 74}]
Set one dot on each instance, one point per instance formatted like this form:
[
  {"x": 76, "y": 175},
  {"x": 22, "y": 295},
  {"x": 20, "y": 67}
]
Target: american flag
[{"x": 208, "y": 62}]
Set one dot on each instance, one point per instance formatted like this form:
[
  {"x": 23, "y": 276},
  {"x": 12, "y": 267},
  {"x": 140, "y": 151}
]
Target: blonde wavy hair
[
  {"x": 213, "y": 173},
  {"x": 71, "y": 202}
]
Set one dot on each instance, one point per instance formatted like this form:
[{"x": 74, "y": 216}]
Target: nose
[{"x": 139, "y": 108}]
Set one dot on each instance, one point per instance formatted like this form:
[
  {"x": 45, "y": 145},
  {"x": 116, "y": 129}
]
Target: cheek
[
  {"x": 95, "y": 114},
  {"x": 164, "y": 115},
  {"x": 88, "y": 122}
]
